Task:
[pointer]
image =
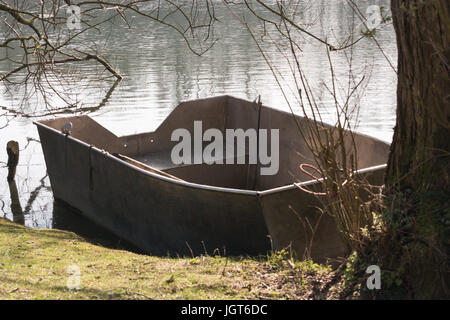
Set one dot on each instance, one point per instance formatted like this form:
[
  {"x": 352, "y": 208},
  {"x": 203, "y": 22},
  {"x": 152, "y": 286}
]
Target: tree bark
[
  {"x": 12, "y": 149},
  {"x": 418, "y": 173},
  {"x": 419, "y": 158}
]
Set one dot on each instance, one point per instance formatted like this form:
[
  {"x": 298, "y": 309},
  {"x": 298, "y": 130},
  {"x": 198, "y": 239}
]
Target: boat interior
[{"x": 152, "y": 151}]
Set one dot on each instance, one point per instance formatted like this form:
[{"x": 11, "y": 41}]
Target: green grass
[{"x": 34, "y": 265}]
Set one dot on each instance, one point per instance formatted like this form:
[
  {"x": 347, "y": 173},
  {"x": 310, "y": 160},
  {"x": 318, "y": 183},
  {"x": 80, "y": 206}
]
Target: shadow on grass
[{"x": 17, "y": 229}]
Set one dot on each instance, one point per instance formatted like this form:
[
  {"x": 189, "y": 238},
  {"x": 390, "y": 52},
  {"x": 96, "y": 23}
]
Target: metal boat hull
[{"x": 162, "y": 215}]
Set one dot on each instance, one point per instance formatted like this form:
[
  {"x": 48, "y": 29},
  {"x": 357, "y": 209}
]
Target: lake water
[{"x": 159, "y": 72}]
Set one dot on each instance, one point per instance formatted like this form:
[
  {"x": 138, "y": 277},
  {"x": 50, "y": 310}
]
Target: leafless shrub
[
  {"x": 348, "y": 197},
  {"x": 42, "y": 42}
]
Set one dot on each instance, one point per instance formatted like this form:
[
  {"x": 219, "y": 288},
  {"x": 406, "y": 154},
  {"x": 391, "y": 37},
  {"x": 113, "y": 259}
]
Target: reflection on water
[{"x": 159, "y": 71}]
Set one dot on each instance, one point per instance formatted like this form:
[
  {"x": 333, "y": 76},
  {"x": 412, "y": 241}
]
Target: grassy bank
[{"x": 34, "y": 265}]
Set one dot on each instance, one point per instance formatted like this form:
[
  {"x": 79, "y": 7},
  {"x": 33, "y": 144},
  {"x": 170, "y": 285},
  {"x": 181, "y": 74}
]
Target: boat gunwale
[{"x": 202, "y": 186}]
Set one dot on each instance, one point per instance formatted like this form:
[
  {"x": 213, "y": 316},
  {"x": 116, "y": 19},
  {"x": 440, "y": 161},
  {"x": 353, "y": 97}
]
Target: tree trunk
[
  {"x": 418, "y": 173},
  {"x": 419, "y": 158}
]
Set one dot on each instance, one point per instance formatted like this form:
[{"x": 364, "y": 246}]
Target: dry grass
[{"x": 33, "y": 265}]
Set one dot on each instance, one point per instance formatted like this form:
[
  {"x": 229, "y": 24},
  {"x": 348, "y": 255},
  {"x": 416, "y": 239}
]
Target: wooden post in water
[{"x": 12, "y": 148}]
